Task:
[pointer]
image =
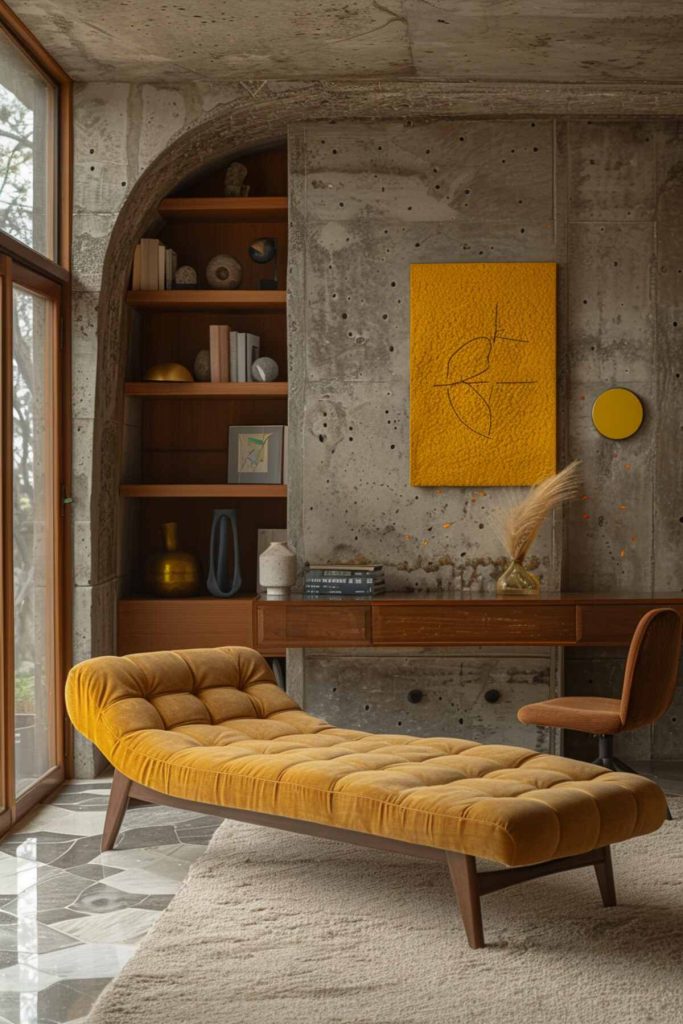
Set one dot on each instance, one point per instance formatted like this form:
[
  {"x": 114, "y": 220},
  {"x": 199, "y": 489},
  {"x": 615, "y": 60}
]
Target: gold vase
[
  {"x": 172, "y": 573},
  {"x": 517, "y": 580}
]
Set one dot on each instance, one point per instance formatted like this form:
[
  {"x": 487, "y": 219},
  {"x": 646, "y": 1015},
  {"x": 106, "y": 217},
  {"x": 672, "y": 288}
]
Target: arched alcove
[{"x": 218, "y": 137}]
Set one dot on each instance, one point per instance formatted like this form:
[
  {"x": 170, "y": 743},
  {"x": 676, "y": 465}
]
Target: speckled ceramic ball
[
  {"x": 202, "y": 365},
  {"x": 264, "y": 369},
  {"x": 224, "y": 272},
  {"x": 185, "y": 277}
]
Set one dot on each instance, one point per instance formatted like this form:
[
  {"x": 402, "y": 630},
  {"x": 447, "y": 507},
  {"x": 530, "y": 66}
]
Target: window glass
[
  {"x": 27, "y": 150},
  {"x": 33, "y": 536}
]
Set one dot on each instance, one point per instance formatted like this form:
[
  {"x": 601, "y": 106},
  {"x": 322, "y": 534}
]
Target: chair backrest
[{"x": 651, "y": 668}]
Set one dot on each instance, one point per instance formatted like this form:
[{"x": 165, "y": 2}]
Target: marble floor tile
[
  {"x": 104, "y": 960},
  {"x": 70, "y": 917},
  {"x": 119, "y": 926}
]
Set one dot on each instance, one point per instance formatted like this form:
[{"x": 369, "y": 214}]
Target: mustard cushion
[{"x": 214, "y": 727}]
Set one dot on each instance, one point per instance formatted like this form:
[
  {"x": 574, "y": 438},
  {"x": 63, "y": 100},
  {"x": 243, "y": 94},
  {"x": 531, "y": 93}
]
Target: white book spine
[{"x": 242, "y": 357}]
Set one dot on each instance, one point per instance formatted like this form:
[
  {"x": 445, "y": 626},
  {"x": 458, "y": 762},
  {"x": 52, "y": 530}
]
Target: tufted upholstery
[{"x": 213, "y": 726}]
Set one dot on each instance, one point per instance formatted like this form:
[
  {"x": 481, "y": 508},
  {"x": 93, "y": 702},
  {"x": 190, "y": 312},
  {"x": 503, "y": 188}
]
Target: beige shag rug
[{"x": 275, "y": 928}]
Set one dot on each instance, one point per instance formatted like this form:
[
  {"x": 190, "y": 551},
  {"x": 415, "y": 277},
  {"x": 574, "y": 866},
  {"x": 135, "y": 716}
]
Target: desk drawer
[
  {"x": 415, "y": 625},
  {"x": 602, "y": 624},
  {"x": 310, "y": 625}
]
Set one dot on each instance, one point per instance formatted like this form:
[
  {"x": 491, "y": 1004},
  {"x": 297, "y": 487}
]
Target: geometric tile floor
[{"x": 70, "y": 916}]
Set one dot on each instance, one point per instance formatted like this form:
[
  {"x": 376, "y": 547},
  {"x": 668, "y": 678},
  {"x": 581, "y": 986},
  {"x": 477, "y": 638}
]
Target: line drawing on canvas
[{"x": 466, "y": 388}]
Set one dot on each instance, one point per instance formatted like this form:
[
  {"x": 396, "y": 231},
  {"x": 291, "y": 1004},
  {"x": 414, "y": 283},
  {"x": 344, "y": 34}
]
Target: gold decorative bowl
[{"x": 169, "y": 371}]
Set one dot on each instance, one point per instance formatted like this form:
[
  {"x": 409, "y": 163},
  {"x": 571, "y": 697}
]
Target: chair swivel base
[{"x": 606, "y": 759}]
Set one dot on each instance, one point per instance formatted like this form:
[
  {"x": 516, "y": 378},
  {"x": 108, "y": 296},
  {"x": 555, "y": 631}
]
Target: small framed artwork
[{"x": 255, "y": 455}]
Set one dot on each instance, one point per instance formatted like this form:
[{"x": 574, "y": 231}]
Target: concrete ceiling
[{"x": 578, "y": 41}]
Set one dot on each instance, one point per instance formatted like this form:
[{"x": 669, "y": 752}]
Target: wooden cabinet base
[{"x": 155, "y": 624}]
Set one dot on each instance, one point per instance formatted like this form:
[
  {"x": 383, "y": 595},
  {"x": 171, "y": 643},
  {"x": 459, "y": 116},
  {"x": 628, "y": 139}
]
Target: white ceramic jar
[{"x": 277, "y": 569}]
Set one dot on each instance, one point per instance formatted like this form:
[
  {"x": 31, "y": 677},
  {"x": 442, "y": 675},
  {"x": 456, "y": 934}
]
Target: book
[
  {"x": 253, "y": 352},
  {"x": 335, "y": 581},
  {"x": 161, "y": 268},
  {"x": 149, "y": 264},
  {"x": 233, "y": 355},
  {"x": 137, "y": 265},
  {"x": 346, "y": 568},
  {"x": 285, "y": 441},
  {"x": 343, "y": 591},
  {"x": 170, "y": 268},
  {"x": 241, "y": 357},
  {"x": 219, "y": 352}
]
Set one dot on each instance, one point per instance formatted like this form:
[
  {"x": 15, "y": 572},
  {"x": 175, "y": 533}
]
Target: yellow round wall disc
[{"x": 617, "y": 413}]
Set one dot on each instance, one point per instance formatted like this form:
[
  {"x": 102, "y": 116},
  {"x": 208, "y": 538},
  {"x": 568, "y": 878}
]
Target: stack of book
[
  {"x": 154, "y": 266},
  {"x": 232, "y": 353},
  {"x": 344, "y": 580}
]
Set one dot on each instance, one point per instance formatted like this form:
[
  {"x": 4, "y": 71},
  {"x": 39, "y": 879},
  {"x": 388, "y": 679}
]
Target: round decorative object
[
  {"x": 224, "y": 272},
  {"x": 202, "y": 365},
  {"x": 264, "y": 369},
  {"x": 277, "y": 569},
  {"x": 262, "y": 250},
  {"x": 617, "y": 413},
  {"x": 185, "y": 277},
  {"x": 168, "y": 371}
]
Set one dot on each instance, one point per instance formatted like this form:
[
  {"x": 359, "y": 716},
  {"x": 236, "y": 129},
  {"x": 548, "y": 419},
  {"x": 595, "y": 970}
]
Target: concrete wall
[
  {"x": 590, "y": 194},
  {"x": 599, "y": 197}
]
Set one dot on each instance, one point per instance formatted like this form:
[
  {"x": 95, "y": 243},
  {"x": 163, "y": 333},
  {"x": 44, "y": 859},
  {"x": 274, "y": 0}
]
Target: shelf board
[
  {"x": 197, "y": 298},
  {"x": 221, "y": 208},
  {"x": 203, "y": 490},
  {"x": 205, "y": 389}
]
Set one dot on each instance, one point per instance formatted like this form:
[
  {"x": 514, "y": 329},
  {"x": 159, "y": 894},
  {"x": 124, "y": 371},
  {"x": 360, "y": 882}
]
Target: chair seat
[
  {"x": 598, "y": 715},
  {"x": 213, "y": 727}
]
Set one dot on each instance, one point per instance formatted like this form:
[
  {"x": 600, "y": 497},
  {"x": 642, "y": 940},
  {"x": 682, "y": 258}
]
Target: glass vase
[{"x": 517, "y": 580}]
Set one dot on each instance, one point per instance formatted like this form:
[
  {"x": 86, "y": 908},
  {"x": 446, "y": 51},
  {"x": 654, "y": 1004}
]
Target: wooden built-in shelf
[
  {"x": 209, "y": 298},
  {"x": 216, "y": 209},
  {"x": 205, "y": 389},
  {"x": 203, "y": 490}
]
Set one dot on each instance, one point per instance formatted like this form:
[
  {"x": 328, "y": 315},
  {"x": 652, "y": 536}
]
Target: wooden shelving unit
[
  {"x": 178, "y": 470},
  {"x": 217, "y": 209},
  {"x": 259, "y": 491},
  {"x": 209, "y": 298},
  {"x": 180, "y": 389}
]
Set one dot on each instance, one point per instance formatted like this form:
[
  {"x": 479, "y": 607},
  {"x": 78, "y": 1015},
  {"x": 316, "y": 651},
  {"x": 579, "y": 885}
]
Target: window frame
[{"x": 23, "y": 266}]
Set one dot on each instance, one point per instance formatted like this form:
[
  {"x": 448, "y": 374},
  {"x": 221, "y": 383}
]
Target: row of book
[
  {"x": 344, "y": 580},
  {"x": 232, "y": 353},
  {"x": 154, "y": 266}
]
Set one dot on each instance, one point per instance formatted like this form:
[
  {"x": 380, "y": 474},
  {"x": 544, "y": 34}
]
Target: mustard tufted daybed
[{"x": 212, "y": 731}]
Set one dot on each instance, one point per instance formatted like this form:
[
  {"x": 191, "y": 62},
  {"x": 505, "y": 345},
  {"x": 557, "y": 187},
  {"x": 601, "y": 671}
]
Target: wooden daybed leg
[
  {"x": 463, "y": 870},
  {"x": 118, "y": 802},
  {"x": 605, "y": 875}
]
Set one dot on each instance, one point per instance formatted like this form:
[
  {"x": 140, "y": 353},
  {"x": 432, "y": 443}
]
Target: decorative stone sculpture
[
  {"x": 202, "y": 365},
  {"x": 185, "y": 277},
  {"x": 277, "y": 569},
  {"x": 224, "y": 272},
  {"x": 264, "y": 369},
  {"x": 234, "y": 180}
]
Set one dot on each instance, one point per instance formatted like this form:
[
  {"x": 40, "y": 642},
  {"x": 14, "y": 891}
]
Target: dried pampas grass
[{"x": 523, "y": 521}]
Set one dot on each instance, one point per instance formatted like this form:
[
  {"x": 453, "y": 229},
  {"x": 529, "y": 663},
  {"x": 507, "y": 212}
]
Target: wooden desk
[{"x": 406, "y": 620}]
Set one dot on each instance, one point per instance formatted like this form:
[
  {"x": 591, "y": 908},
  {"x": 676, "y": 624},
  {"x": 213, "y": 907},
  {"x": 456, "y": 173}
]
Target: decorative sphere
[
  {"x": 264, "y": 369},
  {"x": 202, "y": 365},
  {"x": 168, "y": 371},
  {"x": 185, "y": 277},
  {"x": 224, "y": 272},
  {"x": 262, "y": 250}
]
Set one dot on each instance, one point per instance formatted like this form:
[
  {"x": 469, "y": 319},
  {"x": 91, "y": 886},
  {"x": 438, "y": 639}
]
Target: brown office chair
[{"x": 649, "y": 685}]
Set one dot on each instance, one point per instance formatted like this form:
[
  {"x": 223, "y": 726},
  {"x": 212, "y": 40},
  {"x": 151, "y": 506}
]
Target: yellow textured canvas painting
[{"x": 482, "y": 374}]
